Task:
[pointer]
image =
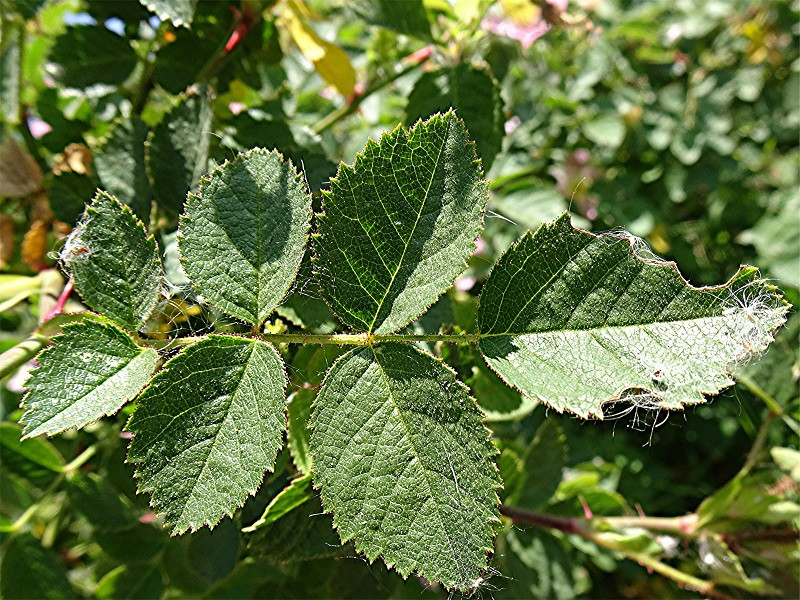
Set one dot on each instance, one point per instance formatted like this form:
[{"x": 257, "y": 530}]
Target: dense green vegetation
[{"x": 430, "y": 149}]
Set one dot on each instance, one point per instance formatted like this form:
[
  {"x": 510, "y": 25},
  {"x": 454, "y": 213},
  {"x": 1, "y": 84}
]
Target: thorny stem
[
  {"x": 352, "y": 105},
  {"x": 585, "y": 529},
  {"x": 338, "y": 339},
  {"x": 58, "y": 307}
]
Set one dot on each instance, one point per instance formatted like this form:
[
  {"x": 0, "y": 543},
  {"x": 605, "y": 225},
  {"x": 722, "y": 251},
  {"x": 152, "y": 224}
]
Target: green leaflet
[
  {"x": 69, "y": 193},
  {"x": 114, "y": 262},
  {"x": 35, "y": 460},
  {"x": 90, "y": 371},
  {"x": 179, "y": 63},
  {"x": 132, "y": 582},
  {"x": 545, "y": 460},
  {"x": 207, "y": 428},
  {"x": 180, "y": 12},
  {"x": 177, "y": 149},
  {"x": 99, "y": 502},
  {"x": 29, "y": 570},
  {"x": 297, "y": 431},
  {"x": 403, "y": 17},
  {"x": 302, "y": 534},
  {"x": 298, "y": 492},
  {"x": 776, "y": 237},
  {"x": 403, "y": 462},
  {"x": 90, "y": 54},
  {"x": 399, "y": 224},
  {"x": 575, "y": 320},
  {"x": 474, "y": 94},
  {"x": 243, "y": 235},
  {"x": 120, "y": 164},
  {"x": 534, "y": 565}
]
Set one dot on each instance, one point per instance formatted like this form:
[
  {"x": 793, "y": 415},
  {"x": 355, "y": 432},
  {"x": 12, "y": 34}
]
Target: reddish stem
[
  {"x": 564, "y": 524},
  {"x": 61, "y": 302},
  {"x": 420, "y": 56}
]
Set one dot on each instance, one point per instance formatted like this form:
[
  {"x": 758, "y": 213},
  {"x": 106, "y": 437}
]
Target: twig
[
  {"x": 58, "y": 308},
  {"x": 585, "y": 528},
  {"x": 15, "y": 357},
  {"x": 758, "y": 444}
]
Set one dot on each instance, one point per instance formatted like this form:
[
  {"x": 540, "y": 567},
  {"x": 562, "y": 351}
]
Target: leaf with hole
[{"x": 576, "y": 321}]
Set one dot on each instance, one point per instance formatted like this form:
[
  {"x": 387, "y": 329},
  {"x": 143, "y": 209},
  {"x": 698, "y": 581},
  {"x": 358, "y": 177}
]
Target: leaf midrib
[
  {"x": 215, "y": 439},
  {"x": 416, "y": 222},
  {"x": 424, "y": 471},
  {"x": 95, "y": 390}
]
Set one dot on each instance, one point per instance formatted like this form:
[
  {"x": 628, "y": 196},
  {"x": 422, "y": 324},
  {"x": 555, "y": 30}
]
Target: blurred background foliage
[{"x": 674, "y": 120}]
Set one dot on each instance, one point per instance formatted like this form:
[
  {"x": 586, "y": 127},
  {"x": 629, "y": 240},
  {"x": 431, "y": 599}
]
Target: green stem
[
  {"x": 754, "y": 389},
  {"x": 685, "y": 525},
  {"x": 80, "y": 460},
  {"x": 143, "y": 87},
  {"x": 350, "y": 107},
  {"x": 23, "y": 285},
  {"x": 145, "y": 84},
  {"x": 338, "y": 339},
  {"x": 758, "y": 444},
  {"x": 15, "y": 357},
  {"x": 53, "y": 288}
]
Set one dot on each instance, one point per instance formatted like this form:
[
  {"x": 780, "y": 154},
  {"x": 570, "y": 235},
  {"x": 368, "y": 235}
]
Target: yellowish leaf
[
  {"x": 76, "y": 157},
  {"x": 6, "y": 239},
  {"x": 34, "y": 245},
  {"x": 19, "y": 173},
  {"x": 330, "y": 61}
]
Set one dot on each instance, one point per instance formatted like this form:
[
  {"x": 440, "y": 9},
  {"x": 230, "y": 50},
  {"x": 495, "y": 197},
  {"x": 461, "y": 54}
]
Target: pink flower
[
  {"x": 465, "y": 283},
  {"x": 526, "y": 34},
  {"x": 38, "y": 127},
  {"x": 512, "y": 124},
  {"x": 235, "y": 107}
]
